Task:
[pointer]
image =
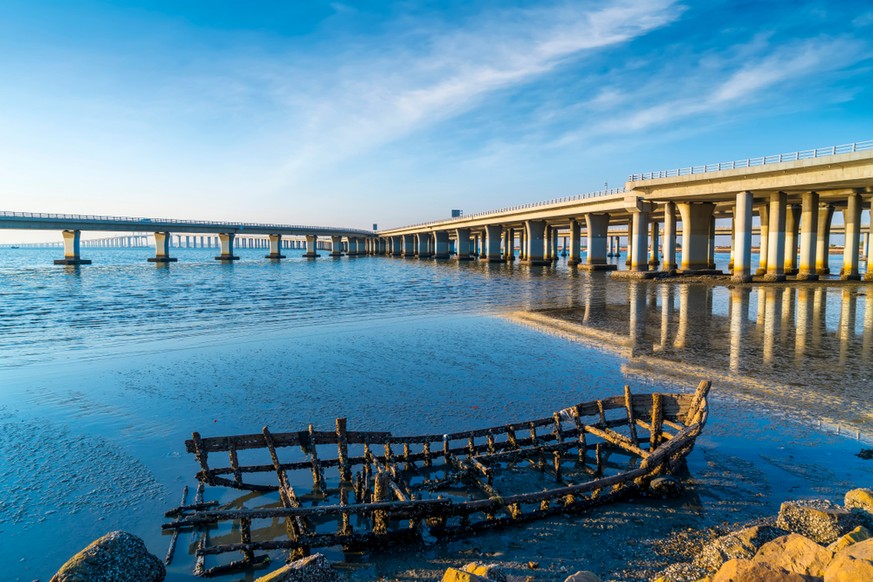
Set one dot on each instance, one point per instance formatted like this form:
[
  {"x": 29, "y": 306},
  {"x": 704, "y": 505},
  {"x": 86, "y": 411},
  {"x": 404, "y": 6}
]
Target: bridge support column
[
  {"x": 72, "y": 244},
  {"x": 808, "y": 226},
  {"x": 742, "y": 243},
  {"x": 553, "y": 240},
  {"x": 441, "y": 244},
  {"x": 696, "y": 224},
  {"x": 225, "y": 241},
  {"x": 851, "y": 248},
  {"x": 162, "y": 249},
  {"x": 763, "y": 239},
  {"x": 630, "y": 236},
  {"x": 639, "y": 256},
  {"x": 522, "y": 244},
  {"x": 492, "y": 243},
  {"x": 792, "y": 228},
  {"x": 275, "y": 247},
  {"x": 711, "y": 244},
  {"x": 535, "y": 241},
  {"x": 823, "y": 240},
  {"x": 654, "y": 251},
  {"x": 336, "y": 246},
  {"x": 547, "y": 244},
  {"x": 408, "y": 245},
  {"x": 311, "y": 247},
  {"x": 424, "y": 245},
  {"x": 776, "y": 240},
  {"x": 481, "y": 246},
  {"x": 868, "y": 276},
  {"x": 597, "y": 226},
  {"x": 508, "y": 244},
  {"x": 670, "y": 236},
  {"x": 462, "y": 244},
  {"x": 396, "y": 243},
  {"x": 575, "y": 243}
]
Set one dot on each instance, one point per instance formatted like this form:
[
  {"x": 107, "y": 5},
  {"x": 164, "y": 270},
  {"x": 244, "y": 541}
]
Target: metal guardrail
[
  {"x": 595, "y": 194},
  {"x": 144, "y": 222},
  {"x": 759, "y": 161}
]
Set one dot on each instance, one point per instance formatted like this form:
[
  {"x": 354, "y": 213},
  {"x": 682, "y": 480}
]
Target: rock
[
  {"x": 749, "y": 571},
  {"x": 743, "y": 544},
  {"x": 583, "y": 576},
  {"x": 116, "y": 557},
  {"x": 860, "y": 502},
  {"x": 681, "y": 572},
  {"x": 852, "y": 564},
  {"x": 795, "y": 553},
  {"x": 314, "y": 568},
  {"x": 818, "y": 519},
  {"x": 859, "y": 534},
  {"x": 455, "y": 575},
  {"x": 665, "y": 486},
  {"x": 492, "y": 572}
]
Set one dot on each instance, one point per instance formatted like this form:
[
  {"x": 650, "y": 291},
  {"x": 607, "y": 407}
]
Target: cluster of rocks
[
  {"x": 812, "y": 540},
  {"x": 476, "y": 572}
]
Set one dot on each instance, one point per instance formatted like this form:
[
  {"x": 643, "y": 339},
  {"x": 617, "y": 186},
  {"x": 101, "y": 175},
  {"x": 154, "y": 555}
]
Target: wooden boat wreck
[{"x": 354, "y": 489}]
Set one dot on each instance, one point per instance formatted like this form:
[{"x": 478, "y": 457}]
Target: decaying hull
[{"x": 353, "y": 489}]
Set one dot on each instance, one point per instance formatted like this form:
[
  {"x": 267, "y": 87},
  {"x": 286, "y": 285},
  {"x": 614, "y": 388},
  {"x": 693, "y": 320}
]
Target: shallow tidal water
[{"x": 106, "y": 369}]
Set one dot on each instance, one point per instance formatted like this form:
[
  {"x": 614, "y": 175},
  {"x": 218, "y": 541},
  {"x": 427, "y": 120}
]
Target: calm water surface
[{"x": 106, "y": 369}]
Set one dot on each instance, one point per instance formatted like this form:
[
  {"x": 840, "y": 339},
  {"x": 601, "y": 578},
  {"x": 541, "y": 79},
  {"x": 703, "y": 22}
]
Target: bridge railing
[
  {"x": 759, "y": 161},
  {"x": 145, "y": 222},
  {"x": 595, "y": 194}
]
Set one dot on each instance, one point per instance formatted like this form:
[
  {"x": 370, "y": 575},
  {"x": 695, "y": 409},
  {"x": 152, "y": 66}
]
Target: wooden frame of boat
[{"x": 401, "y": 495}]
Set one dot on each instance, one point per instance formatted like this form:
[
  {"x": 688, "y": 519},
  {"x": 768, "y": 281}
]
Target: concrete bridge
[
  {"x": 221, "y": 234},
  {"x": 793, "y": 195}
]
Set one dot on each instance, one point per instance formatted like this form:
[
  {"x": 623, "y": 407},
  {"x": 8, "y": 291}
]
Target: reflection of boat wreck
[{"x": 369, "y": 488}]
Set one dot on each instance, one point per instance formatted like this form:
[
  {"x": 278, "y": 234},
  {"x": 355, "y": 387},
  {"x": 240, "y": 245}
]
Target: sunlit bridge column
[
  {"x": 804, "y": 322},
  {"x": 480, "y": 246},
  {"x": 630, "y": 236},
  {"x": 336, "y": 246},
  {"x": 275, "y": 247},
  {"x": 311, "y": 247},
  {"x": 535, "y": 235},
  {"x": 553, "y": 240},
  {"x": 696, "y": 223},
  {"x": 575, "y": 243},
  {"x": 493, "y": 232},
  {"x": 852, "y": 220},
  {"x": 742, "y": 272},
  {"x": 808, "y": 229},
  {"x": 764, "y": 239},
  {"x": 547, "y": 244},
  {"x": 776, "y": 241},
  {"x": 509, "y": 244},
  {"x": 162, "y": 249},
  {"x": 462, "y": 244},
  {"x": 846, "y": 329},
  {"x": 793, "y": 215},
  {"x": 823, "y": 239},
  {"x": 442, "y": 244},
  {"x": 639, "y": 254},
  {"x": 71, "y": 249},
  {"x": 597, "y": 226},
  {"x": 225, "y": 242},
  {"x": 670, "y": 236},
  {"x": 739, "y": 317},
  {"x": 654, "y": 251},
  {"x": 408, "y": 245}
]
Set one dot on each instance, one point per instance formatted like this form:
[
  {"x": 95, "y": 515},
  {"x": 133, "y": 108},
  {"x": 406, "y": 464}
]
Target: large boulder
[
  {"x": 583, "y": 576},
  {"x": 818, "y": 519},
  {"x": 314, "y": 568},
  {"x": 860, "y": 501},
  {"x": 852, "y": 564},
  {"x": 743, "y": 544},
  {"x": 116, "y": 557},
  {"x": 455, "y": 575},
  {"x": 859, "y": 534},
  {"x": 749, "y": 571},
  {"x": 795, "y": 553},
  {"x": 492, "y": 572}
]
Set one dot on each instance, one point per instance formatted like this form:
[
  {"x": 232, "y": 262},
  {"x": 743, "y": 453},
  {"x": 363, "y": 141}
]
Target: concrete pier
[
  {"x": 311, "y": 247},
  {"x": 776, "y": 241},
  {"x": 72, "y": 245},
  {"x": 225, "y": 241},
  {"x": 275, "y": 247},
  {"x": 162, "y": 249}
]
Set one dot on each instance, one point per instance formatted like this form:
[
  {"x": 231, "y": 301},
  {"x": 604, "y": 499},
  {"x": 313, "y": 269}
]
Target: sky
[{"x": 350, "y": 114}]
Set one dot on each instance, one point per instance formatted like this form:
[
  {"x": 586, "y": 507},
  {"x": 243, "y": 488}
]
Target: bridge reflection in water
[{"x": 805, "y": 350}]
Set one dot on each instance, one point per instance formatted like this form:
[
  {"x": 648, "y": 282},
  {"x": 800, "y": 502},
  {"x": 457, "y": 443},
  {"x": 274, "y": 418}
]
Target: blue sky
[{"x": 352, "y": 113}]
